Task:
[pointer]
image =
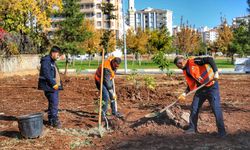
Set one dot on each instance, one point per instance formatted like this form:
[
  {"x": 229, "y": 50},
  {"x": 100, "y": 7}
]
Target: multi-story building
[
  {"x": 92, "y": 10},
  {"x": 150, "y": 18},
  {"x": 208, "y": 35},
  {"x": 238, "y": 20},
  {"x": 175, "y": 30}
]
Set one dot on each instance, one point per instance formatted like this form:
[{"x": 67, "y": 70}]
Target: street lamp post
[{"x": 124, "y": 39}]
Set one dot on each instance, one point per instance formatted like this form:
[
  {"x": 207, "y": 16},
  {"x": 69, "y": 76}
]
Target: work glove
[
  {"x": 216, "y": 75},
  {"x": 112, "y": 94},
  {"x": 56, "y": 87},
  {"x": 182, "y": 97}
]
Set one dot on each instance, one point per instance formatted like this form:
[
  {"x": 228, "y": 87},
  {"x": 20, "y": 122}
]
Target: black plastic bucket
[{"x": 31, "y": 126}]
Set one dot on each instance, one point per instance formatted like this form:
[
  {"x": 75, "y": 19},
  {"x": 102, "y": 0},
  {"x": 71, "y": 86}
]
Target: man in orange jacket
[
  {"x": 198, "y": 71},
  {"x": 109, "y": 70}
]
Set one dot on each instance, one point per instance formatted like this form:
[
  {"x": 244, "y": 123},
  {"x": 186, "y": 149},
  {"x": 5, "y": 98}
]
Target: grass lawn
[{"x": 221, "y": 63}]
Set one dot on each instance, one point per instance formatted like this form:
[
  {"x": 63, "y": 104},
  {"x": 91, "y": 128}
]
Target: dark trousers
[
  {"x": 105, "y": 99},
  {"x": 212, "y": 94},
  {"x": 53, "y": 100}
]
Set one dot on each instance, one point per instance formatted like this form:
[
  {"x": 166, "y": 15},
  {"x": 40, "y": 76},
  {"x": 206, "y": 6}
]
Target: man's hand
[
  {"x": 56, "y": 87},
  {"x": 216, "y": 75},
  {"x": 182, "y": 97},
  {"x": 114, "y": 96},
  {"x": 111, "y": 91}
]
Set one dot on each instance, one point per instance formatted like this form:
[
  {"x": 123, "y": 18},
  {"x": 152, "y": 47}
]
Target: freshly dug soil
[{"x": 78, "y": 114}]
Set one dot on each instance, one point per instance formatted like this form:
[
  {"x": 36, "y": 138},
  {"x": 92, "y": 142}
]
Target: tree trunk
[
  {"x": 148, "y": 94},
  {"x": 139, "y": 56},
  {"x": 66, "y": 64},
  {"x": 74, "y": 62},
  {"x": 232, "y": 59},
  {"x": 90, "y": 58},
  {"x": 133, "y": 60}
]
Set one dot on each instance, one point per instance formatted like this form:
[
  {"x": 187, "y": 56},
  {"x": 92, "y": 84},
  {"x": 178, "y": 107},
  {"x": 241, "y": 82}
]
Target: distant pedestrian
[
  {"x": 198, "y": 71},
  {"x": 50, "y": 83}
]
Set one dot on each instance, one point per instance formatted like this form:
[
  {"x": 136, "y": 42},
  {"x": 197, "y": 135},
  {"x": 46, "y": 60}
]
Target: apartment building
[
  {"x": 150, "y": 18},
  {"x": 92, "y": 10}
]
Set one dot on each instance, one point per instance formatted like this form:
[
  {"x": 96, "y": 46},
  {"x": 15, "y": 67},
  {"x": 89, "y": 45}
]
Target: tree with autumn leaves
[
  {"x": 108, "y": 39},
  {"x": 188, "y": 40},
  {"x": 28, "y": 20},
  {"x": 225, "y": 37},
  {"x": 149, "y": 42},
  {"x": 91, "y": 45},
  {"x": 137, "y": 43}
]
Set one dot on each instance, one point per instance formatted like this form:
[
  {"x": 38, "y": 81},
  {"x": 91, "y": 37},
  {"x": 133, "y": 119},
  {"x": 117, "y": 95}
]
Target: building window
[
  {"x": 87, "y": 6},
  {"x": 89, "y": 15},
  {"x": 99, "y": 23},
  {"x": 106, "y": 17},
  {"x": 107, "y": 25},
  {"x": 99, "y": 15},
  {"x": 98, "y": 6}
]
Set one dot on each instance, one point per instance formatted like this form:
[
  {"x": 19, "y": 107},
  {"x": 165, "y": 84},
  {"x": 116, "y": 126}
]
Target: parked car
[
  {"x": 242, "y": 65},
  {"x": 79, "y": 57}
]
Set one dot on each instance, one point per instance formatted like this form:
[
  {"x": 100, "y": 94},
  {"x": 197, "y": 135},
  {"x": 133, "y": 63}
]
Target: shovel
[
  {"x": 113, "y": 80},
  {"x": 154, "y": 114}
]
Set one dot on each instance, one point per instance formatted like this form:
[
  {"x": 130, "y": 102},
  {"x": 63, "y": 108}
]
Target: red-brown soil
[{"x": 78, "y": 114}]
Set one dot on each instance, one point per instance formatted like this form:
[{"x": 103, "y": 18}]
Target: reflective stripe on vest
[
  {"x": 200, "y": 74},
  {"x": 107, "y": 65}
]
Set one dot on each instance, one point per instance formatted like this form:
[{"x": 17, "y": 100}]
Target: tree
[
  {"x": 141, "y": 41},
  {"x": 160, "y": 40},
  {"x": 31, "y": 22},
  {"x": 137, "y": 43},
  {"x": 131, "y": 41},
  {"x": 70, "y": 33},
  {"x": 187, "y": 40},
  {"x": 108, "y": 40},
  {"x": 8, "y": 47},
  {"x": 241, "y": 42},
  {"x": 225, "y": 37},
  {"x": 92, "y": 43}
]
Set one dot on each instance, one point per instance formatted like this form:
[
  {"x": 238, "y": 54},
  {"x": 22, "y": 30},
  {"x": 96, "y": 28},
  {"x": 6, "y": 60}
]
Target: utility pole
[{"x": 124, "y": 38}]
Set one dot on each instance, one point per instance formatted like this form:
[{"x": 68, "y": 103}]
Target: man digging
[
  {"x": 198, "y": 71},
  {"x": 50, "y": 83},
  {"x": 109, "y": 70}
]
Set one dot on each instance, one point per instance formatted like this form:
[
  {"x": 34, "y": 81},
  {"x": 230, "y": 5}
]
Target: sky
[{"x": 198, "y": 12}]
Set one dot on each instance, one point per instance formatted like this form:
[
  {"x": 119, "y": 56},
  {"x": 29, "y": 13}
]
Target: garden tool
[
  {"x": 154, "y": 114},
  {"x": 115, "y": 99},
  {"x": 100, "y": 102}
]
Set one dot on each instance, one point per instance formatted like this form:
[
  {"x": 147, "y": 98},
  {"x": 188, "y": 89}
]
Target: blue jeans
[
  {"x": 212, "y": 94},
  {"x": 53, "y": 100},
  {"x": 105, "y": 98}
]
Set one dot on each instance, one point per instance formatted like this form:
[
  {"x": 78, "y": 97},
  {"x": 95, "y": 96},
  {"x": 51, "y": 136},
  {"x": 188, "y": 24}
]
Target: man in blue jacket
[{"x": 50, "y": 83}]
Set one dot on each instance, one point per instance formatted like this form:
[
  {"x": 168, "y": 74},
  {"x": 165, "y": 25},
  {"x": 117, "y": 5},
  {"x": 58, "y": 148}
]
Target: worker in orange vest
[
  {"x": 109, "y": 70},
  {"x": 198, "y": 71}
]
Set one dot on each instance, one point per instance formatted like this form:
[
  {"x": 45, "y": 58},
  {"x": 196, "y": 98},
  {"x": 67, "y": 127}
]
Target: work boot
[
  {"x": 118, "y": 115},
  {"x": 221, "y": 135},
  {"x": 190, "y": 131},
  {"x": 55, "y": 123}
]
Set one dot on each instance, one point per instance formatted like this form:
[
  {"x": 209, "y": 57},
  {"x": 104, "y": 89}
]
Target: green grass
[{"x": 221, "y": 63}]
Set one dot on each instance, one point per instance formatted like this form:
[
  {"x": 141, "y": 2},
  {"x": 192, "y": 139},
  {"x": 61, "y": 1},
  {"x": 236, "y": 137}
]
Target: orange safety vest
[
  {"x": 200, "y": 74},
  {"x": 107, "y": 65}
]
